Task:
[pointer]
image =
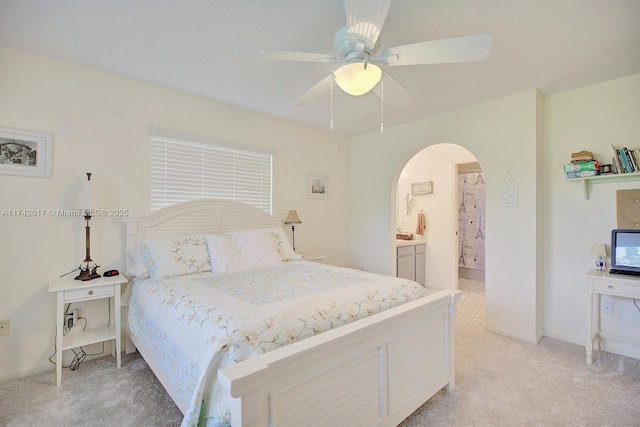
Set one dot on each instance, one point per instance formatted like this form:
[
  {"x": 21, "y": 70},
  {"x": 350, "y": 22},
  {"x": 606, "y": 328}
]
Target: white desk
[{"x": 598, "y": 283}]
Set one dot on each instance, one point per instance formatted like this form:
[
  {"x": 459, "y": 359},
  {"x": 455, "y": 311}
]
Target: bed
[{"x": 308, "y": 344}]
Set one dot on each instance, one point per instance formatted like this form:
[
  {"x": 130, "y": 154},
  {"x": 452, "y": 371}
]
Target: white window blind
[{"x": 185, "y": 167}]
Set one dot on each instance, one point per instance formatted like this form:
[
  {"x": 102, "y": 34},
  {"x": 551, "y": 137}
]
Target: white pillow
[
  {"x": 224, "y": 253},
  {"x": 273, "y": 237},
  {"x": 237, "y": 250},
  {"x": 175, "y": 255},
  {"x": 282, "y": 244},
  {"x": 135, "y": 263}
]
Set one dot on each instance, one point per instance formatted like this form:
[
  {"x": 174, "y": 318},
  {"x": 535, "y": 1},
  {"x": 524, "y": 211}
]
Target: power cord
[
  {"x": 81, "y": 354},
  {"x": 75, "y": 269}
]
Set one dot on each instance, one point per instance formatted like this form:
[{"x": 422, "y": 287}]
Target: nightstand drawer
[
  {"x": 88, "y": 292},
  {"x": 631, "y": 291}
]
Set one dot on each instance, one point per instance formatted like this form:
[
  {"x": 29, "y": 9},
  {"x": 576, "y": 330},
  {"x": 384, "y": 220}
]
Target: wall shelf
[{"x": 614, "y": 177}]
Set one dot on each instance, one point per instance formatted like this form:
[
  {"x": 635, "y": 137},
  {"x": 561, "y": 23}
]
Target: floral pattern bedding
[{"x": 198, "y": 323}]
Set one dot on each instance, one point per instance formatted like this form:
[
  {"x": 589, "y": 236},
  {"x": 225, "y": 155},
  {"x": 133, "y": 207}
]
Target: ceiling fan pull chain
[
  {"x": 331, "y": 106},
  {"x": 381, "y": 106}
]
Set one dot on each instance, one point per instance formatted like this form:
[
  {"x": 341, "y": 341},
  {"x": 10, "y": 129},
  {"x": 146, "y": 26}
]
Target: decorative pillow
[
  {"x": 175, "y": 255},
  {"x": 135, "y": 263}
]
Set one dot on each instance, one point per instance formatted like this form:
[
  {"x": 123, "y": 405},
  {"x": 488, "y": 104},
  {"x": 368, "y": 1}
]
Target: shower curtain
[{"x": 471, "y": 214}]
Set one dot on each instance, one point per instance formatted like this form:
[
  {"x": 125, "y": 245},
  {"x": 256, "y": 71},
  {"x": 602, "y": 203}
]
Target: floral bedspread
[{"x": 199, "y": 323}]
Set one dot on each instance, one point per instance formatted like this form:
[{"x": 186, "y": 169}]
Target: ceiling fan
[{"x": 358, "y": 49}]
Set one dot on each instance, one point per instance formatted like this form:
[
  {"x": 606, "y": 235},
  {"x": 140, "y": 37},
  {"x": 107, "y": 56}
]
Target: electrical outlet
[
  {"x": 607, "y": 306},
  {"x": 4, "y": 327},
  {"x": 68, "y": 321}
]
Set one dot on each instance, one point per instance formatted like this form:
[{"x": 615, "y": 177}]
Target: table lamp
[
  {"x": 292, "y": 218},
  {"x": 599, "y": 250},
  {"x": 86, "y": 202}
]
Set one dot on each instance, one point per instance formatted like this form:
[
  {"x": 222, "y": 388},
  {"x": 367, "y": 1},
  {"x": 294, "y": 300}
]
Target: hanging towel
[{"x": 421, "y": 224}]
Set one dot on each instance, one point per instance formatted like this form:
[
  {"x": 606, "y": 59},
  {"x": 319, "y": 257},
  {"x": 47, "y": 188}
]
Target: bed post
[
  {"x": 455, "y": 297},
  {"x": 249, "y": 402}
]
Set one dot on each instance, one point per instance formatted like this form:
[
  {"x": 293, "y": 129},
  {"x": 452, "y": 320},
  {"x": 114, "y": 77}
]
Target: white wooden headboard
[{"x": 203, "y": 216}]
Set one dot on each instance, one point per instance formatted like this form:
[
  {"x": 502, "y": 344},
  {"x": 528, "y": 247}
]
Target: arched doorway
[{"x": 450, "y": 250}]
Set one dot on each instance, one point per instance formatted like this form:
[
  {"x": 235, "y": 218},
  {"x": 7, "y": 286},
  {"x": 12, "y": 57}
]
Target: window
[{"x": 187, "y": 167}]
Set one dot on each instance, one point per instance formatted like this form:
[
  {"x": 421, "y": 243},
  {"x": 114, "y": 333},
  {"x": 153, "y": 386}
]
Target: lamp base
[{"x": 87, "y": 274}]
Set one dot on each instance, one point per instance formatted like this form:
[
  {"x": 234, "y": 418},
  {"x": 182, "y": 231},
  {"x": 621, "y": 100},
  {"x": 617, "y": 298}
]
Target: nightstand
[
  {"x": 315, "y": 258},
  {"x": 73, "y": 291}
]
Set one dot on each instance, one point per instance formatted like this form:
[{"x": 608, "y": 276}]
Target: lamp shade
[
  {"x": 87, "y": 197},
  {"x": 599, "y": 249},
  {"x": 292, "y": 218},
  {"x": 357, "y": 80}
]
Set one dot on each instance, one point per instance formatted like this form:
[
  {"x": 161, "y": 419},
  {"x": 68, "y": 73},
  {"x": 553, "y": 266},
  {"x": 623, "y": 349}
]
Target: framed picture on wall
[
  {"x": 25, "y": 153},
  {"x": 317, "y": 186},
  {"x": 422, "y": 187}
]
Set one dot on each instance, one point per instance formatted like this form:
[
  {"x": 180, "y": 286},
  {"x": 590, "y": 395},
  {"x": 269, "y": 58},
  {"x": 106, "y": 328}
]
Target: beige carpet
[
  {"x": 500, "y": 382},
  {"x": 505, "y": 382}
]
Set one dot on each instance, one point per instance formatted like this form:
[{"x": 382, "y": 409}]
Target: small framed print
[
  {"x": 422, "y": 187},
  {"x": 25, "y": 153},
  {"x": 317, "y": 186}
]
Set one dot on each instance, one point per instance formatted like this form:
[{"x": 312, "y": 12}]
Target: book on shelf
[
  {"x": 581, "y": 159},
  {"x": 582, "y": 155},
  {"x": 615, "y": 162},
  {"x": 634, "y": 161},
  {"x": 581, "y": 174},
  {"x": 626, "y": 160},
  {"x": 592, "y": 165},
  {"x": 623, "y": 159},
  {"x": 632, "y": 165}
]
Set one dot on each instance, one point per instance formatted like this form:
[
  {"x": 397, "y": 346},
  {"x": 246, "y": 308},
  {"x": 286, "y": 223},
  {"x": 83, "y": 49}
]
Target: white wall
[
  {"x": 100, "y": 124},
  {"x": 502, "y": 134},
  {"x": 537, "y": 252},
  {"x": 590, "y": 118},
  {"x": 435, "y": 163}
]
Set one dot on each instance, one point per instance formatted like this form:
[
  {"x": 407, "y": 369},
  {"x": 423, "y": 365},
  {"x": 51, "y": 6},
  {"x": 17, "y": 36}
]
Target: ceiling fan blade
[
  {"x": 313, "y": 94},
  {"x": 443, "y": 51},
  {"x": 365, "y": 19},
  {"x": 392, "y": 92},
  {"x": 284, "y": 55}
]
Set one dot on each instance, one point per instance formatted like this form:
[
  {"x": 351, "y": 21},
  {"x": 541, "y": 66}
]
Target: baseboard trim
[
  {"x": 563, "y": 337},
  {"x": 23, "y": 373},
  {"x": 620, "y": 345},
  {"x": 609, "y": 343}
]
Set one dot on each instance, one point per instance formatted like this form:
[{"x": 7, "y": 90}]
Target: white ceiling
[{"x": 188, "y": 45}]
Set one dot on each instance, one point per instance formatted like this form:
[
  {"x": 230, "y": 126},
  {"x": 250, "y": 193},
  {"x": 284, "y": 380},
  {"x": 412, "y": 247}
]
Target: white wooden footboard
[{"x": 375, "y": 371}]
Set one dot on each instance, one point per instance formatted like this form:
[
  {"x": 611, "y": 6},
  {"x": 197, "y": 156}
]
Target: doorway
[
  {"x": 439, "y": 165},
  {"x": 471, "y": 217},
  {"x": 471, "y": 242}
]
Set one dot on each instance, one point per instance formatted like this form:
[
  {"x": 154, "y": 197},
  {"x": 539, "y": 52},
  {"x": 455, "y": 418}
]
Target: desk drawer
[
  {"x": 88, "y": 293},
  {"x": 631, "y": 291}
]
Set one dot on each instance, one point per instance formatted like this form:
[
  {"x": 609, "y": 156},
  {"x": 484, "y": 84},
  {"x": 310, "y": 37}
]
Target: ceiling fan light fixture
[{"x": 357, "y": 80}]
